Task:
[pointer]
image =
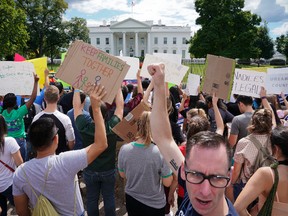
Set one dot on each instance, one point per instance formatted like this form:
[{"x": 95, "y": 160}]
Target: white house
[{"x": 136, "y": 38}]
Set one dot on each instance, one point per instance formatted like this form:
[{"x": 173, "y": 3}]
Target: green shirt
[
  {"x": 15, "y": 122},
  {"x": 106, "y": 160}
]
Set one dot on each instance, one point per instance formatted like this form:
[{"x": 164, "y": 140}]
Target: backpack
[
  {"x": 264, "y": 158},
  {"x": 43, "y": 206}
]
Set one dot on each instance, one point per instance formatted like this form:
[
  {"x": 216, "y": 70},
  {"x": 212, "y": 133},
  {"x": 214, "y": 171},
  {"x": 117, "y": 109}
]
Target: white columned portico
[
  {"x": 148, "y": 42},
  {"x": 136, "y": 44},
  {"x": 124, "y": 43},
  {"x": 112, "y": 44}
]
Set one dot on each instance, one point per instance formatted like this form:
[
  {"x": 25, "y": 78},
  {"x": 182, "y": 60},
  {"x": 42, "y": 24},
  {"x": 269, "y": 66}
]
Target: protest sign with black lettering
[
  {"x": 85, "y": 65},
  {"x": 248, "y": 82},
  {"x": 277, "y": 80},
  {"x": 174, "y": 73},
  {"x": 127, "y": 128},
  {"x": 16, "y": 77},
  {"x": 218, "y": 76}
]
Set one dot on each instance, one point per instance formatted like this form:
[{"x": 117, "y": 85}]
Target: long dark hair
[{"x": 3, "y": 132}]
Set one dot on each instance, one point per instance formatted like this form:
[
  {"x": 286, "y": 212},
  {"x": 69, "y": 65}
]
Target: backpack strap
[
  {"x": 257, "y": 144},
  {"x": 46, "y": 176}
]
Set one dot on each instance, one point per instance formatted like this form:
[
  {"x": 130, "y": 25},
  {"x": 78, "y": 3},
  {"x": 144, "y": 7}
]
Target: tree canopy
[
  {"x": 13, "y": 31},
  {"x": 226, "y": 29},
  {"x": 282, "y": 44}
]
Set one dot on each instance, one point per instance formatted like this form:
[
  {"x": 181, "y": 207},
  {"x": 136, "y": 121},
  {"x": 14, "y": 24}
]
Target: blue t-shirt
[{"x": 186, "y": 208}]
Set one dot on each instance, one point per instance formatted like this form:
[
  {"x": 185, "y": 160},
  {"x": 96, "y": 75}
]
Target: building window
[
  {"x": 97, "y": 41},
  {"x": 107, "y": 41},
  {"x": 174, "y": 51},
  {"x": 183, "y": 54},
  {"x": 120, "y": 41},
  {"x": 107, "y": 51},
  {"x": 184, "y": 41},
  {"x": 155, "y": 51},
  {"x": 142, "y": 41},
  {"x": 174, "y": 40},
  {"x": 164, "y": 51},
  {"x": 142, "y": 53},
  {"x": 165, "y": 40},
  {"x": 155, "y": 40}
]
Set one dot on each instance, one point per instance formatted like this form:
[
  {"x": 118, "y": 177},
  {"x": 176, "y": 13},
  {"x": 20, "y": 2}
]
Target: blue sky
[{"x": 172, "y": 12}]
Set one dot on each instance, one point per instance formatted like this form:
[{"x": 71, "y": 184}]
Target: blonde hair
[
  {"x": 261, "y": 122},
  {"x": 196, "y": 112},
  {"x": 144, "y": 131}
]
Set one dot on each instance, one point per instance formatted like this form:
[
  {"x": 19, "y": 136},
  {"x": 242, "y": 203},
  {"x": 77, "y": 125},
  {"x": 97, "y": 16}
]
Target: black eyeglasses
[{"x": 216, "y": 181}]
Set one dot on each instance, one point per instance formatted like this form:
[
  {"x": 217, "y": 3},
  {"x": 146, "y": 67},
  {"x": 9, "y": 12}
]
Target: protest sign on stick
[
  {"x": 218, "y": 76},
  {"x": 193, "y": 84},
  {"x": 277, "y": 80},
  {"x": 134, "y": 66},
  {"x": 85, "y": 65},
  {"x": 16, "y": 77},
  {"x": 40, "y": 64},
  {"x": 176, "y": 58},
  {"x": 174, "y": 73},
  {"x": 127, "y": 128},
  {"x": 247, "y": 82}
]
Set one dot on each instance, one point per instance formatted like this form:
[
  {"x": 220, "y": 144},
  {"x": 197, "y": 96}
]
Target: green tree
[
  {"x": 44, "y": 18},
  {"x": 226, "y": 29},
  {"x": 13, "y": 31},
  {"x": 264, "y": 42},
  {"x": 282, "y": 44}
]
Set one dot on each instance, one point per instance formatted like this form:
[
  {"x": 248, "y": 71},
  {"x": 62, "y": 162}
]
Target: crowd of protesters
[{"x": 57, "y": 137}]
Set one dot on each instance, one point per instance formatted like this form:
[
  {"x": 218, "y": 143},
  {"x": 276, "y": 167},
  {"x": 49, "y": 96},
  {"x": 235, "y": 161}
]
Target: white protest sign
[
  {"x": 134, "y": 66},
  {"x": 176, "y": 58},
  {"x": 174, "y": 73},
  {"x": 248, "y": 82},
  {"x": 277, "y": 80},
  {"x": 16, "y": 77},
  {"x": 193, "y": 84}
]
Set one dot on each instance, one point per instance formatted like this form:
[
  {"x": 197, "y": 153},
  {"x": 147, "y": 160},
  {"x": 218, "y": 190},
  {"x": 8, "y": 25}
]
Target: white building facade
[{"x": 135, "y": 38}]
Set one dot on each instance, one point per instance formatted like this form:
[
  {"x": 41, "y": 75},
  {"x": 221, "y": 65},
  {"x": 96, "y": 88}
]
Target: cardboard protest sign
[
  {"x": 40, "y": 64},
  {"x": 85, "y": 65},
  {"x": 176, "y": 58},
  {"x": 134, "y": 66},
  {"x": 249, "y": 83},
  {"x": 127, "y": 128},
  {"x": 218, "y": 76},
  {"x": 193, "y": 83},
  {"x": 16, "y": 77},
  {"x": 277, "y": 80},
  {"x": 174, "y": 73}
]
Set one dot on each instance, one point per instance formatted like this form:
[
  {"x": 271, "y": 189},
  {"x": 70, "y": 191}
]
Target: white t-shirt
[
  {"x": 6, "y": 176},
  {"x": 60, "y": 184}
]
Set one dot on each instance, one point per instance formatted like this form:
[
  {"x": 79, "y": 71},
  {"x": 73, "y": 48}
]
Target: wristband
[
  {"x": 264, "y": 97},
  {"x": 76, "y": 90}
]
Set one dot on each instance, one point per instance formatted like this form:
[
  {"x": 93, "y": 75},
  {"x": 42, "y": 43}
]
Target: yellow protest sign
[{"x": 40, "y": 64}]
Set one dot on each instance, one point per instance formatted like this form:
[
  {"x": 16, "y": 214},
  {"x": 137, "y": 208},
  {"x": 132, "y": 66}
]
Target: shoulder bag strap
[
  {"x": 268, "y": 205},
  {"x": 7, "y": 166},
  {"x": 256, "y": 143}
]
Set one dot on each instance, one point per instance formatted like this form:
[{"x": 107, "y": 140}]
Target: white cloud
[
  {"x": 270, "y": 11},
  {"x": 283, "y": 29}
]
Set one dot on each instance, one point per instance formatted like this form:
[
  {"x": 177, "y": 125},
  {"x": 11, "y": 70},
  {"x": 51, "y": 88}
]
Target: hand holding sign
[{"x": 97, "y": 92}]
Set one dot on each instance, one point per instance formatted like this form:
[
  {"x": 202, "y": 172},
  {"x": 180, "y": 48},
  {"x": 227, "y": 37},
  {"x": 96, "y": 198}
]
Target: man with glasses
[{"x": 207, "y": 161}]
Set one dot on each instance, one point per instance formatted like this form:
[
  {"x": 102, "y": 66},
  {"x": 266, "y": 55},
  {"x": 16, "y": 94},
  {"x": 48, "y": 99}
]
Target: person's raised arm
[
  {"x": 34, "y": 92},
  {"x": 184, "y": 98},
  {"x": 267, "y": 105},
  {"x": 139, "y": 82},
  {"x": 218, "y": 117},
  {"x": 119, "y": 101},
  {"x": 160, "y": 126},
  {"x": 147, "y": 92},
  {"x": 100, "y": 140},
  {"x": 77, "y": 104},
  {"x": 46, "y": 76}
]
